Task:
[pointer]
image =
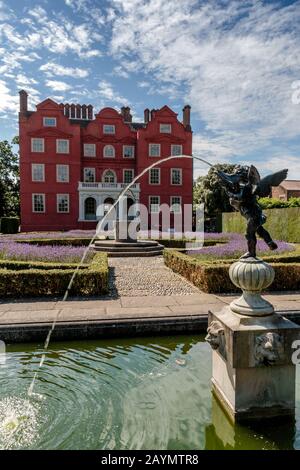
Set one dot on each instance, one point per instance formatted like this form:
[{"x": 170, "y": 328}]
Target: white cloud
[
  {"x": 57, "y": 85},
  {"x": 236, "y": 61},
  {"x": 108, "y": 94},
  {"x": 22, "y": 80},
  {"x": 51, "y": 69},
  {"x": 8, "y": 101}
]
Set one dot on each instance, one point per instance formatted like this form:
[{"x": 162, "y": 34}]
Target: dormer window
[
  {"x": 49, "y": 122},
  {"x": 165, "y": 128},
  {"x": 109, "y": 129}
]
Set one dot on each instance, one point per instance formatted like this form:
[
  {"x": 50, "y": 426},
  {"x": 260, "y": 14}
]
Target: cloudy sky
[{"x": 236, "y": 62}]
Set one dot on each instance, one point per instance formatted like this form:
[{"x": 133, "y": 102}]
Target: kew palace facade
[{"x": 74, "y": 164}]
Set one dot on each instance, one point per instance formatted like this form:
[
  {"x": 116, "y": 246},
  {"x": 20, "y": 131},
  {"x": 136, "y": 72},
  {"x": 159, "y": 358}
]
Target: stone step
[
  {"x": 128, "y": 249},
  {"x": 129, "y": 254},
  {"x": 113, "y": 243}
]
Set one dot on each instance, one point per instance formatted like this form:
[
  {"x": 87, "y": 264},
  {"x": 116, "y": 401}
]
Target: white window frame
[
  {"x": 42, "y": 165},
  {"x": 171, "y": 174},
  {"x": 132, "y": 172},
  {"x": 105, "y": 126},
  {"x": 149, "y": 150},
  {"x": 58, "y": 180},
  {"x": 57, "y": 203},
  {"x": 132, "y": 147},
  {"x": 172, "y": 204},
  {"x": 172, "y": 152},
  {"x": 86, "y": 154},
  {"x": 41, "y": 140},
  {"x": 159, "y": 173},
  {"x": 84, "y": 174},
  {"x": 44, "y": 203},
  {"x": 57, "y": 146},
  {"x": 163, "y": 125},
  {"x": 150, "y": 204},
  {"x": 49, "y": 125},
  {"x": 109, "y": 156}
]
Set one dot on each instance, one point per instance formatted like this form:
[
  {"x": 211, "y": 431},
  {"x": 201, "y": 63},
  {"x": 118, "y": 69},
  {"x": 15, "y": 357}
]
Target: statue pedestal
[
  {"x": 253, "y": 376},
  {"x": 126, "y": 230}
]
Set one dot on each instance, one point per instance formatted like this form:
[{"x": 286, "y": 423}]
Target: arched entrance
[
  {"x": 108, "y": 202},
  {"x": 90, "y": 208},
  {"x": 129, "y": 202}
]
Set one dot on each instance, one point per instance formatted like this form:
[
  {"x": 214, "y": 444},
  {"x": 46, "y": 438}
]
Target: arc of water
[{"x": 98, "y": 228}]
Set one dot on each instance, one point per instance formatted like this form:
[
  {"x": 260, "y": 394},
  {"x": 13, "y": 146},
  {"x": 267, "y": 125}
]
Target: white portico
[{"x": 95, "y": 199}]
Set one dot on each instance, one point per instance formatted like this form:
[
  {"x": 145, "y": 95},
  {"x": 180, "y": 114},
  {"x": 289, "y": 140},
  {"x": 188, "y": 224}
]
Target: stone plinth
[
  {"x": 253, "y": 375},
  {"x": 126, "y": 230}
]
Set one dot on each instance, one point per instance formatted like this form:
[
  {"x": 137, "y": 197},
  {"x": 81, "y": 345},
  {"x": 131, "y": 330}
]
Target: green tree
[
  {"x": 208, "y": 190},
  {"x": 9, "y": 179}
]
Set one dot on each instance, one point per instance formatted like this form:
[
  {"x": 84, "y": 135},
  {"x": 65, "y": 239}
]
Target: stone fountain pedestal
[{"x": 253, "y": 375}]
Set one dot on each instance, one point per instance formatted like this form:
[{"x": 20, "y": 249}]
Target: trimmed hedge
[
  {"x": 213, "y": 277},
  {"x": 284, "y": 224},
  {"x": 34, "y": 279},
  {"x": 9, "y": 224}
]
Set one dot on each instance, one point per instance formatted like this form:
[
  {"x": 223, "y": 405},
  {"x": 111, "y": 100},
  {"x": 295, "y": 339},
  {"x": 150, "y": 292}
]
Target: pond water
[{"x": 142, "y": 393}]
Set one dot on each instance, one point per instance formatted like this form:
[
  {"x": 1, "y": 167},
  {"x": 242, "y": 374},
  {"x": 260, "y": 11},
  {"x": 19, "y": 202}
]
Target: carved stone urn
[{"x": 252, "y": 275}]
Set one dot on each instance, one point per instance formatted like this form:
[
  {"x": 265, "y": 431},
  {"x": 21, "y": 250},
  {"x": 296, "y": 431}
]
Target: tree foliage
[
  {"x": 9, "y": 179},
  {"x": 208, "y": 190}
]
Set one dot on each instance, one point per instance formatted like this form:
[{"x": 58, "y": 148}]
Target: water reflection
[
  {"x": 221, "y": 434},
  {"x": 142, "y": 393}
]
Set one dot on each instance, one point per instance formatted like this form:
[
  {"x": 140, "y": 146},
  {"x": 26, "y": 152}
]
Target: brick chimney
[
  {"x": 146, "y": 115},
  {"x": 125, "y": 111},
  {"x": 23, "y": 101},
  {"x": 187, "y": 117}
]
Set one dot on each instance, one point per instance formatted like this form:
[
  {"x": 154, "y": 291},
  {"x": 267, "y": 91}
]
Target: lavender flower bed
[
  {"x": 235, "y": 247},
  {"x": 26, "y": 252},
  {"x": 69, "y": 234}
]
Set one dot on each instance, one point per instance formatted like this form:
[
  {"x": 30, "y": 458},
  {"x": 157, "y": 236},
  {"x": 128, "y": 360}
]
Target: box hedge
[
  {"x": 34, "y": 279},
  {"x": 9, "y": 224},
  {"x": 283, "y": 224},
  {"x": 213, "y": 277}
]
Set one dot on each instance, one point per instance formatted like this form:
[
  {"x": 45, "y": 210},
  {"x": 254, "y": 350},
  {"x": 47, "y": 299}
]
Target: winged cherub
[{"x": 243, "y": 187}]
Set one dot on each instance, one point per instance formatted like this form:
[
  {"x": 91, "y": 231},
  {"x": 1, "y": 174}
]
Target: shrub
[
  {"x": 213, "y": 277},
  {"x": 276, "y": 203},
  {"x": 9, "y": 224},
  {"x": 21, "y": 279}
]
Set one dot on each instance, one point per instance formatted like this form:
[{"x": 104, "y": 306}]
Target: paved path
[
  {"x": 45, "y": 311},
  {"x": 145, "y": 277}
]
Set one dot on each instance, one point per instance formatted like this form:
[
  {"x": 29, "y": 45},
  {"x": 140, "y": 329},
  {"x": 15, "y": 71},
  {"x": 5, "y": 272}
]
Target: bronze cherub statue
[{"x": 243, "y": 187}]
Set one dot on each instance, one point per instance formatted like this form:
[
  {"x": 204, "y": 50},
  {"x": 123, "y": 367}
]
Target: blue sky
[{"x": 236, "y": 62}]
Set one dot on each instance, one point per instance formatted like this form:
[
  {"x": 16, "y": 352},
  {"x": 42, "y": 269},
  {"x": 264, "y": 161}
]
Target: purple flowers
[
  {"x": 69, "y": 234},
  {"x": 235, "y": 247},
  {"x": 12, "y": 250}
]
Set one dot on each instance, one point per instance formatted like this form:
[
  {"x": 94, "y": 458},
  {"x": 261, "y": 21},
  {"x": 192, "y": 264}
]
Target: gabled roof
[
  {"x": 291, "y": 185},
  {"x": 47, "y": 104}
]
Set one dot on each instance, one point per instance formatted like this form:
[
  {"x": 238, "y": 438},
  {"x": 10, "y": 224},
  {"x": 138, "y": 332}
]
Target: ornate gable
[
  {"x": 48, "y": 104},
  {"x": 160, "y": 138},
  {"x": 47, "y": 132}
]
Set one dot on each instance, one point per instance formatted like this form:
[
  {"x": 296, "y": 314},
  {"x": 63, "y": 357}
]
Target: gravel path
[{"x": 145, "y": 276}]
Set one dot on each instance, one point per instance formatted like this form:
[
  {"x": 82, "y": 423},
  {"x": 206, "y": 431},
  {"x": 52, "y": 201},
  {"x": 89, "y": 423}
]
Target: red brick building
[
  {"x": 72, "y": 162},
  {"x": 287, "y": 189}
]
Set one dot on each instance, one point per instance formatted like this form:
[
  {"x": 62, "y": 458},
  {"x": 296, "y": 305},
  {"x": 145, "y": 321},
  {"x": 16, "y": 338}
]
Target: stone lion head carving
[
  {"x": 215, "y": 336},
  {"x": 268, "y": 349}
]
